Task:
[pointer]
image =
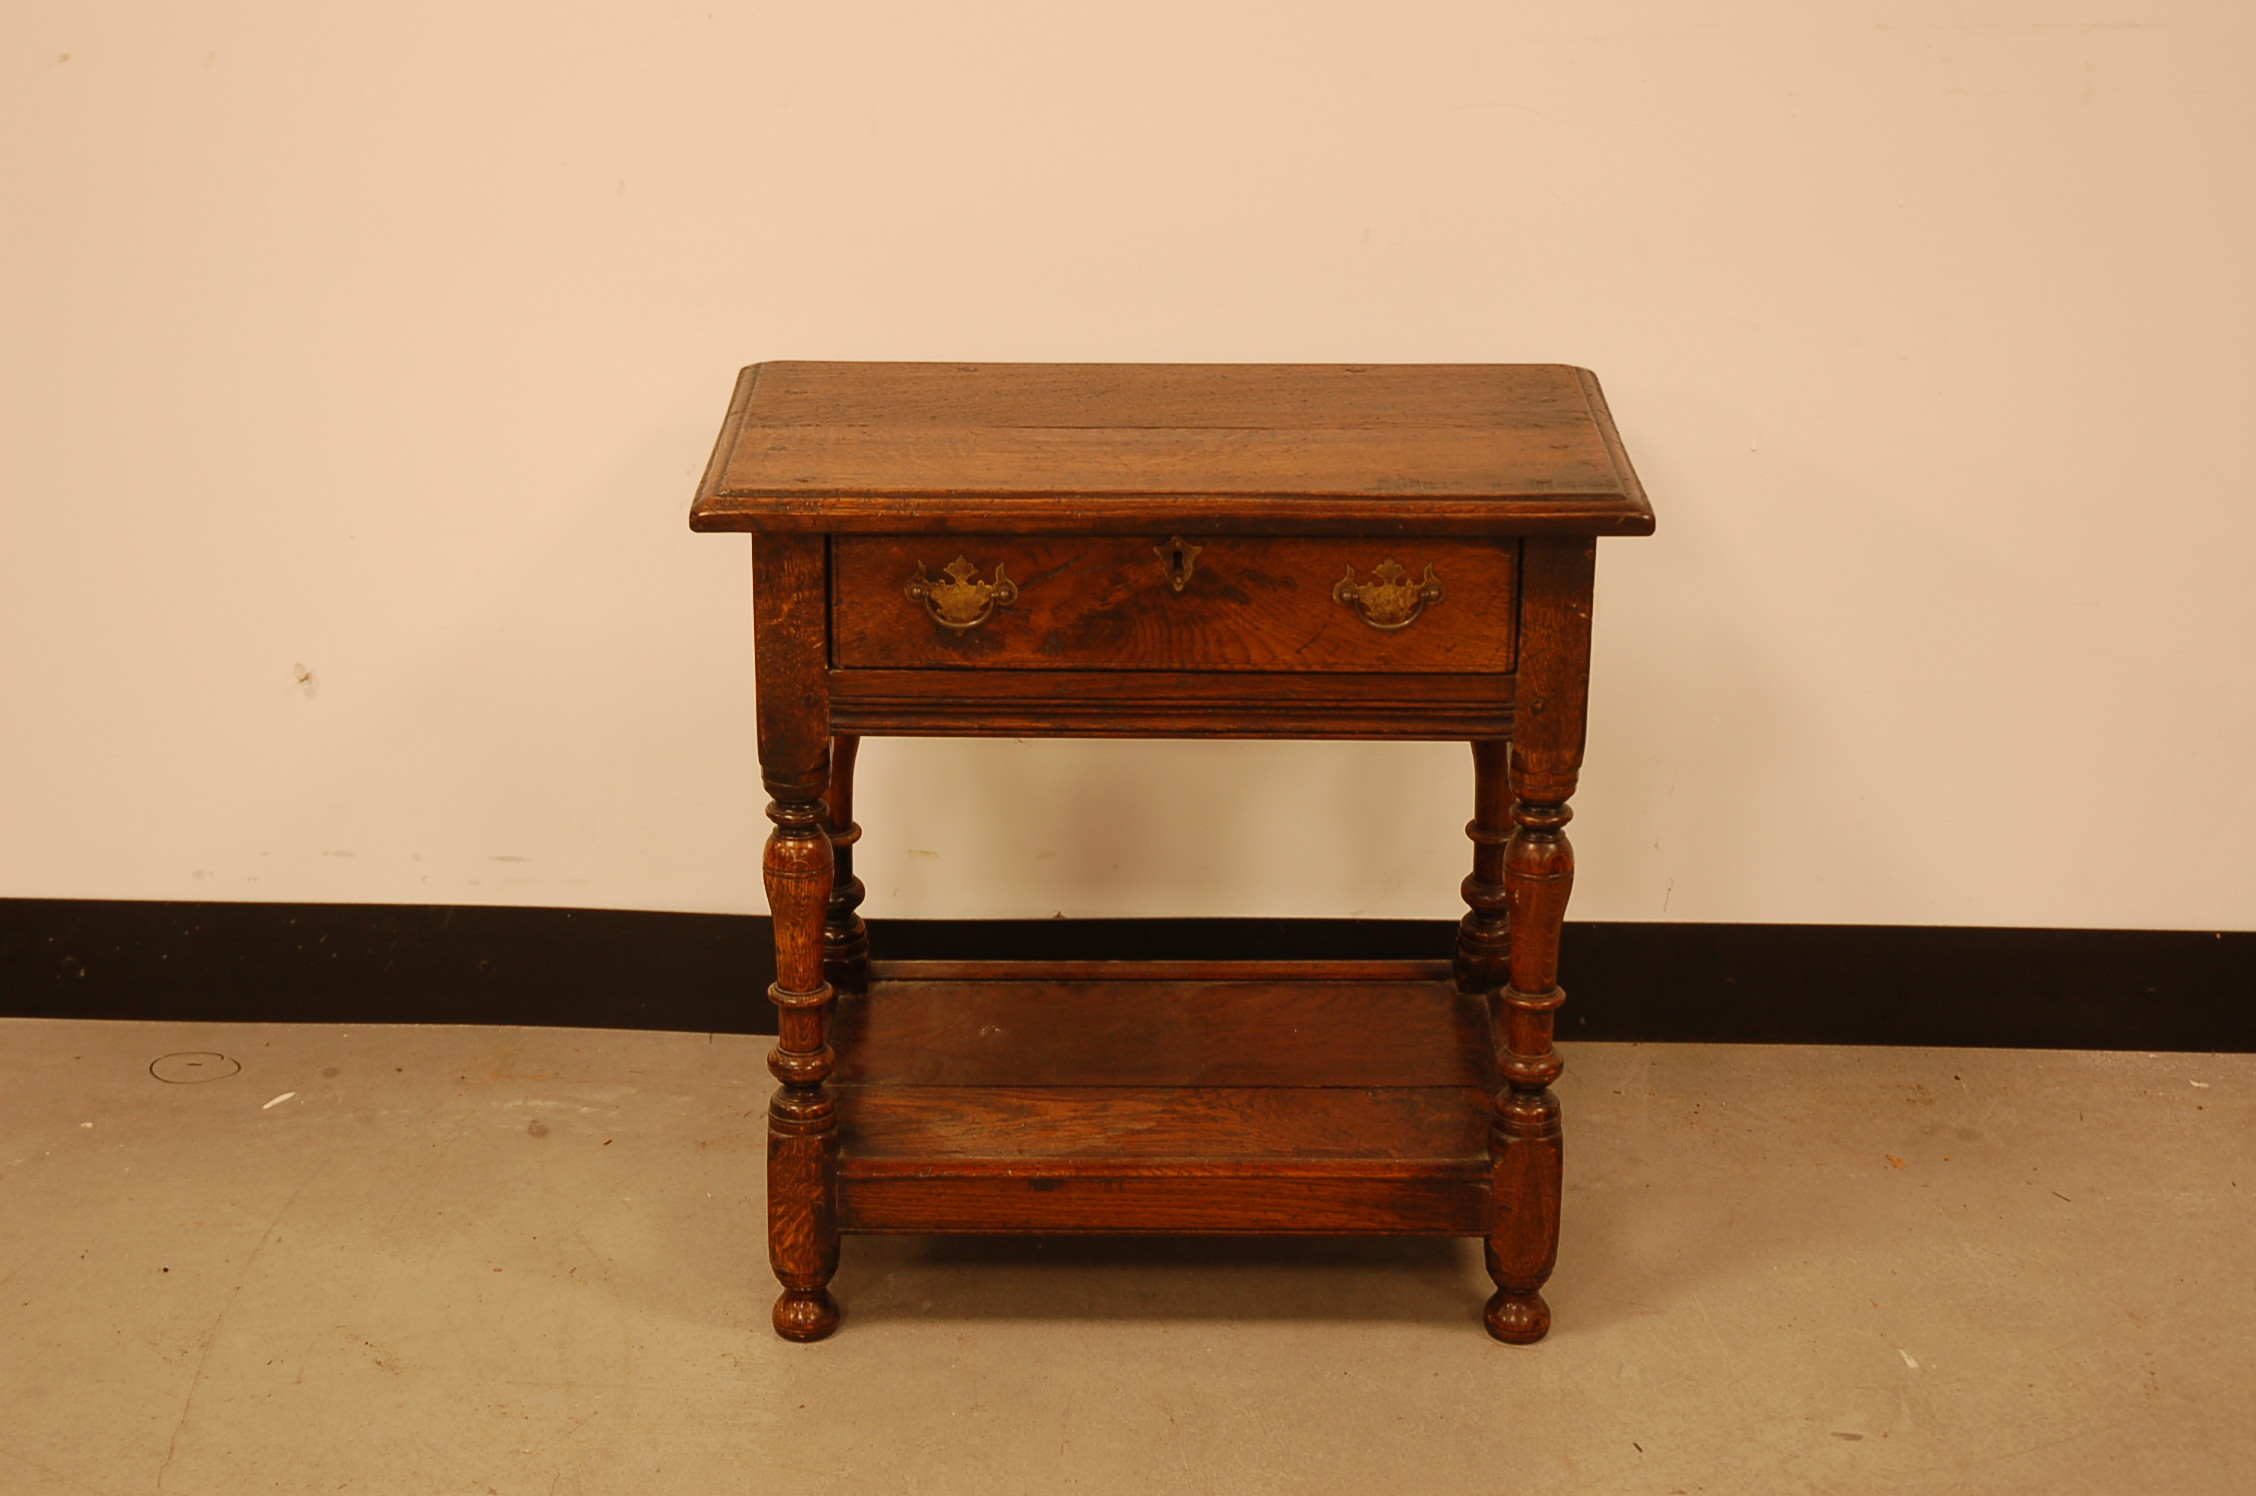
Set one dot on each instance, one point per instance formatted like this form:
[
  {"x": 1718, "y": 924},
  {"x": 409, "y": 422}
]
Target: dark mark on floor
[{"x": 193, "y": 1067}]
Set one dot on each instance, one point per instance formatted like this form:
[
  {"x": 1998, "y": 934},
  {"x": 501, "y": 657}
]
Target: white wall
[{"x": 385, "y": 342}]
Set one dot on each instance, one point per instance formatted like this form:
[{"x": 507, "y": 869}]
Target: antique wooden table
[{"x": 1101, "y": 550}]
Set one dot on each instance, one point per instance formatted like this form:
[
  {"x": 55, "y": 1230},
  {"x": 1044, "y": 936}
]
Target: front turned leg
[
  {"x": 1524, "y": 1139},
  {"x": 1550, "y": 703},
  {"x": 802, "y": 1115}
]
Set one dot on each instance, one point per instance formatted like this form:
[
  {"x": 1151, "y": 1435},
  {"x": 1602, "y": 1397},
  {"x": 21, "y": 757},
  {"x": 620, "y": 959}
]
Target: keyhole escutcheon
[{"x": 1178, "y": 558}]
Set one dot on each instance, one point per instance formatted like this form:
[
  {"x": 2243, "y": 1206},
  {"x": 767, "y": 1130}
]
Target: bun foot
[
  {"x": 810, "y": 1314},
  {"x": 1516, "y": 1319}
]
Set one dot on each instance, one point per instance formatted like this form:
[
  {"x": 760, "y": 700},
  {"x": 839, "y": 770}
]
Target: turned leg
[
  {"x": 802, "y": 1115},
  {"x": 1524, "y": 1143},
  {"x": 845, "y": 937},
  {"x": 1544, "y": 760},
  {"x": 1484, "y": 939},
  {"x": 789, "y": 585}
]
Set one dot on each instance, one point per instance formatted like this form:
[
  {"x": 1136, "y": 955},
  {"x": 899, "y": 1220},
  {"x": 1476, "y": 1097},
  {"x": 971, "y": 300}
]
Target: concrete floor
[{"x": 530, "y": 1260}]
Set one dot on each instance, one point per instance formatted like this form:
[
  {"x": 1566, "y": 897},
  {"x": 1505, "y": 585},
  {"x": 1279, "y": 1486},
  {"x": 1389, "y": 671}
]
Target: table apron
[{"x": 1128, "y": 704}]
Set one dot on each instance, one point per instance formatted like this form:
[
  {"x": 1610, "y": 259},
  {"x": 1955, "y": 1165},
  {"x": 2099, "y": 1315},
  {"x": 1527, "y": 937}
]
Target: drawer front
[{"x": 1209, "y": 602}]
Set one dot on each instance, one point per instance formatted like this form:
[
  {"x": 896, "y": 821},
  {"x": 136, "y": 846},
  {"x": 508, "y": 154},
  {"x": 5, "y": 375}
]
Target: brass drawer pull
[
  {"x": 962, "y": 601},
  {"x": 1390, "y": 600}
]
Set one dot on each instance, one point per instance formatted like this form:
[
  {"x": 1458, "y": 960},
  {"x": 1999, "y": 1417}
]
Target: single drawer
[{"x": 1209, "y": 602}]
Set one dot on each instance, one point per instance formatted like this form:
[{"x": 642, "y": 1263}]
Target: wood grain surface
[
  {"x": 1141, "y": 397},
  {"x": 1285, "y": 1096},
  {"x": 1405, "y": 1130},
  {"x": 1164, "y": 969},
  {"x": 1190, "y": 1032},
  {"x": 1251, "y": 603},
  {"x": 1340, "y": 1201},
  {"x": 1169, "y": 703},
  {"x": 1283, "y": 448}
]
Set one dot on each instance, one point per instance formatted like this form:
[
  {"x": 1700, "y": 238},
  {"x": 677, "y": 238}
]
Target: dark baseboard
[{"x": 1763, "y": 984}]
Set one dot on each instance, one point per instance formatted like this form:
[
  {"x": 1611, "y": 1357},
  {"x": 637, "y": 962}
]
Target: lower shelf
[{"x": 1124, "y": 1097}]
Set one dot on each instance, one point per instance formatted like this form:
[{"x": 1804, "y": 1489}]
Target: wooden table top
[{"x": 1289, "y": 448}]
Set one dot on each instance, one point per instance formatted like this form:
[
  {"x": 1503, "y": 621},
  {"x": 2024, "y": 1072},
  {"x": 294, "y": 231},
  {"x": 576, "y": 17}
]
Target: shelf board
[
  {"x": 1373, "y": 1023},
  {"x": 1095, "y": 1096}
]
